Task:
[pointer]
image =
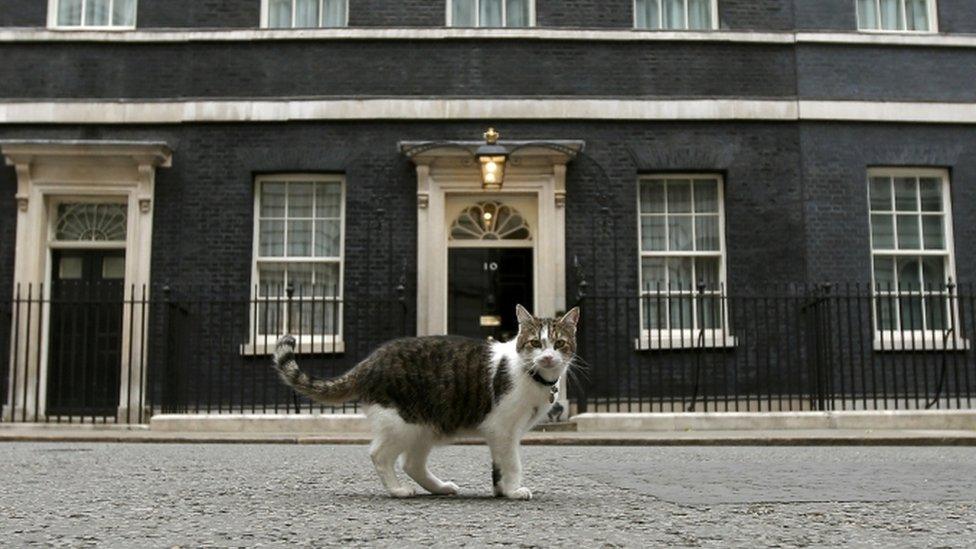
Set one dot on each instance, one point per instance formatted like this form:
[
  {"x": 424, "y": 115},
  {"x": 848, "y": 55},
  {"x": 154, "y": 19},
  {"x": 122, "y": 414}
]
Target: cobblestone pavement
[{"x": 158, "y": 495}]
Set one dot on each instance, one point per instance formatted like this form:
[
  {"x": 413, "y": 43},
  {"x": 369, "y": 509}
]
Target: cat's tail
[{"x": 328, "y": 391}]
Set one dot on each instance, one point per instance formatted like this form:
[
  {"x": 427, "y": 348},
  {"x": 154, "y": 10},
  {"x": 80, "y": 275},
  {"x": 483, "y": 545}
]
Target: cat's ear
[
  {"x": 571, "y": 318},
  {"x": 523, "y": 316}
]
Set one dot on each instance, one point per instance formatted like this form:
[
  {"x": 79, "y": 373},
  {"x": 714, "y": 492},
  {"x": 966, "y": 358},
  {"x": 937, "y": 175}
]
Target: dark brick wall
[
  {"x": 585, "y": 13},
  {"x": 408, "y": 13},
  {"x": 760, "y": 15},
  {"x": 199, "y": 13},
  {"x": 478, "y": 68},
  {"x": 837, "y": 15},
  {"x": 23, "y": 13},
  {"x": 872, "y": 73},
  {"x": 835, "y": 160},
  {"x": 957, "y": 16}
]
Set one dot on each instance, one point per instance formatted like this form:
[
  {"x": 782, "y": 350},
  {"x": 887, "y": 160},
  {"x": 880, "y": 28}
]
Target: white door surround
[
  {"x": 535, "y": 175},
  {"x": 53, "y": 171}
]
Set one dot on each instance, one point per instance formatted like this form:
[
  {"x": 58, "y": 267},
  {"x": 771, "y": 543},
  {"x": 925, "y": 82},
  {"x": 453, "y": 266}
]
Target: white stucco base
[
  {"x": 261, "y": 423},
  {"x": 762, "y": 421}
]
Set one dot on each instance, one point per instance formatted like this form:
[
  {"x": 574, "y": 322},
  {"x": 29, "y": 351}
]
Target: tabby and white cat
[{"x": 423, "y": 391}]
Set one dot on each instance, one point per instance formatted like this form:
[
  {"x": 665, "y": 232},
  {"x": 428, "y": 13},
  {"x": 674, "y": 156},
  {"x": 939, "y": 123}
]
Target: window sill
[
  {"x": 919, "y": 343},
  {"x": 306, "y": 346},
  {"x": 650, "y": 341},
  {"x": 80, "y": 28}
]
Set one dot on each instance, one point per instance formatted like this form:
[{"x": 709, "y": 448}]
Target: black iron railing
[
  {"x": 785, "y": 348},
  {"x": 98, "y": 357}
]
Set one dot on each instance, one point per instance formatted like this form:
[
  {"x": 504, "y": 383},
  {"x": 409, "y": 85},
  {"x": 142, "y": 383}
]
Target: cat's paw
[
  {"x": 521, "y": 493},
  {"x": 403, "y": 492},
  {"x": 448, "y": 489}
]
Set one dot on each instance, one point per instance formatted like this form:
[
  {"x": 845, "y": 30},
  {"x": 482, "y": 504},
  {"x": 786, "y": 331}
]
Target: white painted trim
[
  {"x": 48, "y": 171},
  {"x": 113, "y": 34},
  {"x": 540, "y": 108}
]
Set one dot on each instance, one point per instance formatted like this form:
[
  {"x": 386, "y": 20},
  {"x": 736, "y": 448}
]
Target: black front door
[
  {"x": 84, "y": 357},
  {"x": 485, "y": 284}
]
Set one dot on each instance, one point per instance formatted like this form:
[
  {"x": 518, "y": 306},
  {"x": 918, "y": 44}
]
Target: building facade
[{"x": 235, "y": 169}]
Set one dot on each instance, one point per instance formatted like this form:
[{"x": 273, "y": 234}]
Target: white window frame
[
  {"x": 263, "y": 344},
  {"x": 714, "y": 18},
  {"x": 449, "y": 16},
  {"x": 52, "y": 18},
  {"x": 266, "y": 19},
  {"x": 933, "y": 15},
  {"x": 651, "y": 338},
  {"x": 914, "y": 340}
]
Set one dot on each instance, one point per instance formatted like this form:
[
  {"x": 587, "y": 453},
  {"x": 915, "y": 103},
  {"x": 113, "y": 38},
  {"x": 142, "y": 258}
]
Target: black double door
[
  {"x": 84, "y": 357},
  {"x": 484, "y": 285}
]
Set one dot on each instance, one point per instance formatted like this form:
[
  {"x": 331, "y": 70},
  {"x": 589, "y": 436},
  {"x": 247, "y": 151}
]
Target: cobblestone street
[{"x": 156, "y": 495}]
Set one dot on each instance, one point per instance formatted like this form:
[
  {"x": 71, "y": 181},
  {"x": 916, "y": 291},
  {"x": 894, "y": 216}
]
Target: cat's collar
[{"x": 539, "y": 379}]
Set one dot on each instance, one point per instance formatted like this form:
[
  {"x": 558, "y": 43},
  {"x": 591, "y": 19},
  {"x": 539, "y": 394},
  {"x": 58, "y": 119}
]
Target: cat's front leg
[{"x": 506, "y": 468}]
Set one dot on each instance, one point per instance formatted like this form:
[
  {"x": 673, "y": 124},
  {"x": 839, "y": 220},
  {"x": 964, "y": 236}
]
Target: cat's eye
[
  {"x": 536, "y": 343},
  {"x": 560, "y": 343}
]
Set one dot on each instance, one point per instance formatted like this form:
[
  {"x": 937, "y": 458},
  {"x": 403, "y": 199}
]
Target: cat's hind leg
[
  {"x": 391, "y": 439},
  {"x": 415, "y": 465}
]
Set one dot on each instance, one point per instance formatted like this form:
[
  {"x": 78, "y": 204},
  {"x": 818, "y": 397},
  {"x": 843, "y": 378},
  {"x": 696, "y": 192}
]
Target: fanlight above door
[{"x": 490, "y": 220}]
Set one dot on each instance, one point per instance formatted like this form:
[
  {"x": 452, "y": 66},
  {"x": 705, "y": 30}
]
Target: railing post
[
  {"x": 170, "y": 386},
  {"x": 581, "y": 285},
  {"x": 289, "y": 293},
  {"x": 698, "y": 343}
]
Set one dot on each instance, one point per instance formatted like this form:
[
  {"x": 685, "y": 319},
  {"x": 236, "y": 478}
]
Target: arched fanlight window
[
  {"x": 490, "y": 220},
  {"x": 88, "y": 222}
]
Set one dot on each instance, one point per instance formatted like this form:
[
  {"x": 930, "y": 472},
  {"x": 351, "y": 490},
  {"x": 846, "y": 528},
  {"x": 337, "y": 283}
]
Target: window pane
[
  {"x": 70, "y": 268},
  {"x": 334, "y": 13},
  {"x": 930, "y": 189},
  {"x": 300, "y": 278},
  {"x": 327, "y": 238},
  {"x": 679, "y": 274},
  {"x": 932, "y": 232},
  {"x": 884, "y": 274},
  {"x": 113, "y": 268},
  {"x": 326, "y": 280},
  {"x": 328, "y": 200},
  {"x": 681, "y": 318},
  {"x": 881, "y": 193},
  {"x": 69, "y": 12},
  {"x": 710, "y": 313},
  {"x": 891, "y": 15},
  {"x": 653, "y": 310},
  {"x": 653, "y": 276},
  {"x": 272, "y": 239},
  {"x": 299, "y": 238},
  {"x": 908, "y": 274},
  {"x": 124, "y": 13},
  {"x": 306, "y": 13},
  {"x": 917, "y": 15},
  {"x": 936, "y": 313},
  {"x": 706, "y": 196},
  {"x": 906, "y": 199},
  {"x": 679, "y": 233},
  {"x": 272, "y": 200},
  {"x": 97, "y": 13},
  {"x": 674, "y": 14},
  {"x": 679, "y": 196},
  {"x": 279, "y": 14},
  {"x": 491, "y": 13},
  {"x": 706, "y": 270},
  {"x": 867, "y": 14},
  {"x": 699, "y": 14},
  {"x": 933, "y": 273},
  {"x": 706, "y": 233},
  {"x": 300, "y": 200},
  {"x": 910, "y": 310},
  {"x": 882, "y": 232},
  {"x": 647, "y": 15},
  {"x": 463, "y": 13},
  {"x": 908, "y": 232},
  {"x": 652, "y": 197},
  {"x": 271, "y": 281},
  {"x": 652, "y": 233},
  {"x": 887, "y": 310},
  {"x": 517, "y": 13}
]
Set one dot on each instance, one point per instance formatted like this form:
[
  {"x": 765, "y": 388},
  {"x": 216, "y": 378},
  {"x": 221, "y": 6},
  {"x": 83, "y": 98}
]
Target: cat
[{"x": 420, "y": 392}]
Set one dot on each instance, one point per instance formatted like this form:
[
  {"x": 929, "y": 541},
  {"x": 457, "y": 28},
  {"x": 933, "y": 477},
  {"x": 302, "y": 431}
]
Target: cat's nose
[{"x": 547, "y": 361}]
